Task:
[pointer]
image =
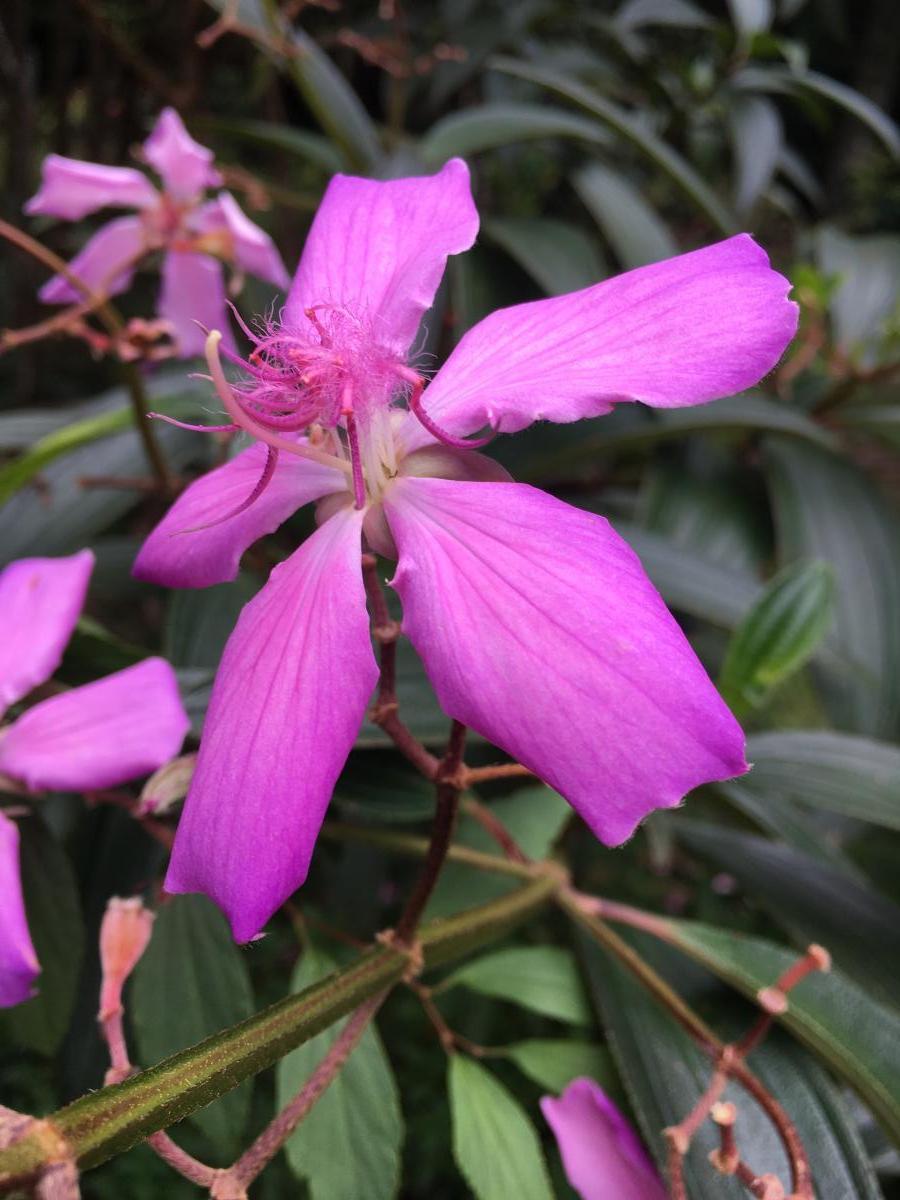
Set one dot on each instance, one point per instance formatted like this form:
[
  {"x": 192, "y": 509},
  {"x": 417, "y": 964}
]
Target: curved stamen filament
[
  {"x": 415, "y": 407},
  {"x": 359, "y": 482},
  {"x": 261, "y": 484},
  {"x": 243, "y": 419}
]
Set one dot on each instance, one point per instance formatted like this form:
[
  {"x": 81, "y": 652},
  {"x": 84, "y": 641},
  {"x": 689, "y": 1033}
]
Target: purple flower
[
  {"x": 196, "y": 235},
  {"x": 535, "y": 621},
  {"x": 96, "y": 736},
  {"x": 602, "y": 1155}
]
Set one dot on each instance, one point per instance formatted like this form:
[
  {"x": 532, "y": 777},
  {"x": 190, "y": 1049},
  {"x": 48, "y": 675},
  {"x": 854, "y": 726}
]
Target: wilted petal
[
  {"x": 602, "y": 1155},
  {"x": 99, "y": 735},
  {"x": 379, "y": 250},
  {"x": 254, "y": 250},
  {"x": 18, "y": 961},
  {"x": 106, "y": 263},
  {"x": 71, "y": 188},
  {"x": 684, "y": 331},
  {"x": 540, "y": 630},
  {"x": 193, "y": 291},
  {"x": 185, "y": 166},
  {"x": 201, "y": 557},
  {"x": 287, "y": 705},
  {"x": 40, "y": 601}
]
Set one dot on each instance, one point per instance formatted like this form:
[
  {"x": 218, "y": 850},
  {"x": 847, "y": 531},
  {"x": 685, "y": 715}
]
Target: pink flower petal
[
  {"x": 540, "y": 630},
  {"x": 71, "y": 188},
  {"x": 184, "y": 165},
  {"x": 40, "y": 601},
  {"x": 601, "y": 1153},
  {"x": 18, "y": 961},
  {"x": 287, "y": 705},
  {"x": 193, "y": 294},
  {"x": 175, "y": 558},
  {"x": 102, "y": 262},
  {"x": 684, "y": 331},
  {"x": 379, "y": 250},
  {"x": 99, "y": 735},
  {"x": 254, "y": 250}
]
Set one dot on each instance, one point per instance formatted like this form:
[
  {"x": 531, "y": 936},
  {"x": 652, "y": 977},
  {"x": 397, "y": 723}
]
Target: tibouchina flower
[
  {"x": 96, "y": 736},
  {"x": 197, "y": 235},
  {"x": 535, "y": 621},
  {"x": 602, "y": 1155}
]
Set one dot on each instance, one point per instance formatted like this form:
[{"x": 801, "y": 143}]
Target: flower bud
[{"x": 124, "y": 935}]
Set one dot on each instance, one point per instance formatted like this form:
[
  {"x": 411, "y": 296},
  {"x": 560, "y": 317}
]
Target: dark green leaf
[
  {"x": 837, "y": 772},
  {"x": 305, "y": 145},
  {"x": 665, "y": 1073},
  {"x": 487, "y": 126},
  {"x": 634, "y": 231},
  {"x": 813, "y": 901},
  {"x": 826, "y": 508},
  {"x": 349, "y": 1144},
  {"x": 559, "y": 256},
  {"x": 779, "y": 634},
  {"x": 200, "y": 621},
  {"x": 494, "y": 1143},
  {"x": 756, "y": 138},
  {"x": 855, "y": 1035},
  {"x": 633, "y": 130},
  {"x": 53, "y": 908},
  {"x": 541, "y": 978},
  {"x": 193, "y": 981},
  {"x": 867, "y": 270}
]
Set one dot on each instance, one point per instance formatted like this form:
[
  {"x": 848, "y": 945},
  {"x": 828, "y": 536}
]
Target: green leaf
[
  {"x": 689, "y": 582},
  {"x": 488, "y": 126},
  {"x": 779, "y": 634},
  {"x": 330, "y": 97},
  {"x": 376, "y": 787},
  {"x": 635, "y": 14},
  {"x": 751, "y": 16},
  {"x": 533, "y": 815},
  {"x": 847, "y": 98},
  {"x": 826, "y": 508},
  {"x": 812, "y": 900},
  {"x": 199, "y": 621},
  {"x": 53, "y": 909},
  {"x": 494, "y": 1142},
  {"x": 634, "y": 231},
  {"x": 633, "y": 131},
  {"x": 349, "y": 1144},
  {"x": 855, "y": 1035},
  {"x": 837, "y": 772},
  {"x": 302, "y": 143},
  {"x": 665, "y": 1073},
  {"x": 543, "y": 979},
  {"x": 559, "y": 256},
  {"x": 192, "y": 982},
  {"x": 15, "y": 474},
  {"x": 756, "y": 140},
  {"x": 554, "y": 1063},
  {"x": 867, "y": 270}
]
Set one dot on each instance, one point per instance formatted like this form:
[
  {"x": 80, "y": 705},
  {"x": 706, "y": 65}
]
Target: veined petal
[
  {"x": 539, "y": 629},
  {"x": 684, "y": 331},
  {"x": 379, "y": 250},
  {"x": 71, "y": 188},
  {"x": 18, "y": 961},
  {"x": 106, "y": 263},
  {"x": 184, "y": 165},
  {"x": 193, "y": 295},
  {"x": 200, "y": 557},
  {"x": 254, "y": 250},
  {"x": 99, "y": 735},
  {"x": 287, "y": 704},
  {"x": 602, "y": 1155},
  {"x": 40, "y": 601}
]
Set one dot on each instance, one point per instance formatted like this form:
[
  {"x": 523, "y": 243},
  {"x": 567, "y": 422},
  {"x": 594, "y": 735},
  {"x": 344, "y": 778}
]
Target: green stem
[
  {"x": 410, "y": 845},
  {"x": 107, "y": 1122}
]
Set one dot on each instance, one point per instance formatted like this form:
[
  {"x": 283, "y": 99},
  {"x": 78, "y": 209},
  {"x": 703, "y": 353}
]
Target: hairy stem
[{"x": 107, "y": 1122}]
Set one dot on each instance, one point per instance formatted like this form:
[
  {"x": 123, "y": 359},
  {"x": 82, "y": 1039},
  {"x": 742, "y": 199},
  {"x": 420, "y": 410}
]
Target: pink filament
[
  {"x": 193, "y": 428},
  {"x": 415, "y": 407},
  {"x": 262, "y": 483}
]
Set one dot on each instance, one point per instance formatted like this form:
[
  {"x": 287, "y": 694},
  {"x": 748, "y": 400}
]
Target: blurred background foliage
[{"x": 602, "y": 136}]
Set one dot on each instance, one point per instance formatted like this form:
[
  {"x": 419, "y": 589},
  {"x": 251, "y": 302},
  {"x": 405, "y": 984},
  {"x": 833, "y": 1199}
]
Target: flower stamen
[{"x": 415, "y": 407}]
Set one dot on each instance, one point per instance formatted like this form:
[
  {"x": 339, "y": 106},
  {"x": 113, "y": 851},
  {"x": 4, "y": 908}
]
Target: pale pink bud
[{"x": 124, "y": 935}]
